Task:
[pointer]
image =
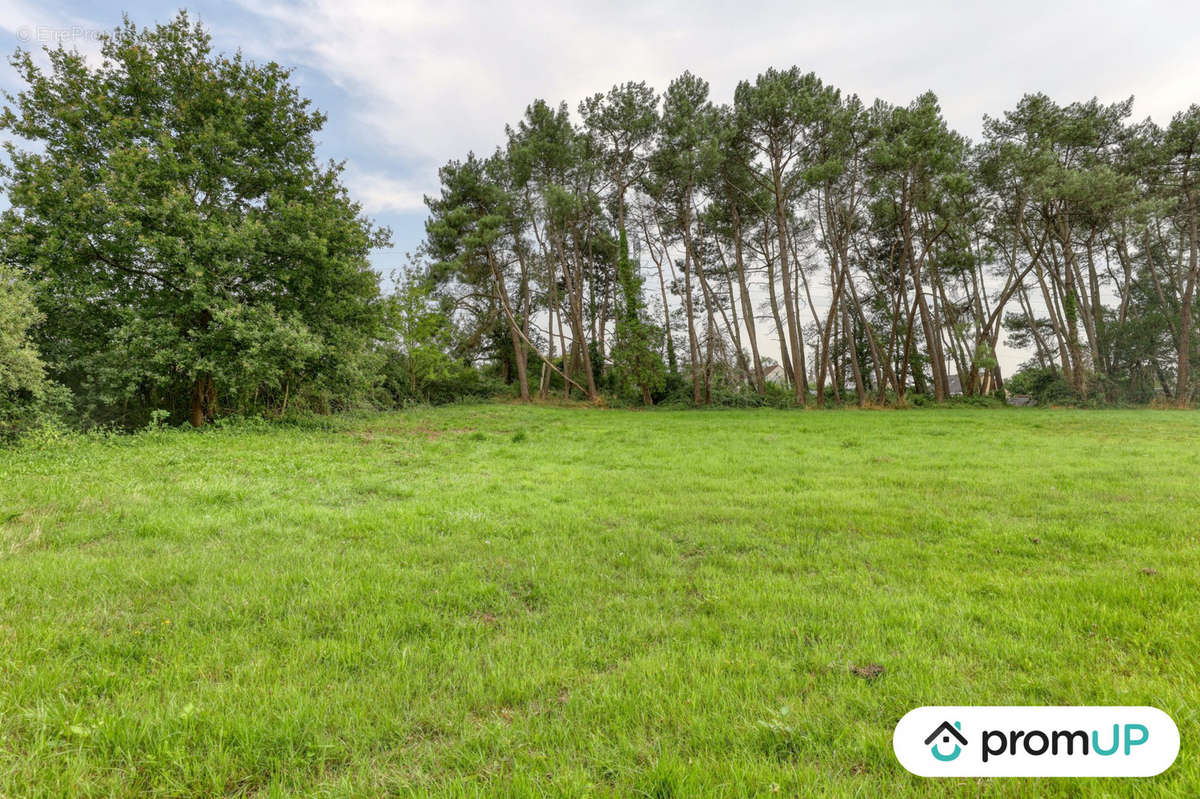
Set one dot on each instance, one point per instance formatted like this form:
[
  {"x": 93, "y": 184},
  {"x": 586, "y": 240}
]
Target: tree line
[
  {"x": 668, "y": 238},
  {"x": 173, "y": 246}
]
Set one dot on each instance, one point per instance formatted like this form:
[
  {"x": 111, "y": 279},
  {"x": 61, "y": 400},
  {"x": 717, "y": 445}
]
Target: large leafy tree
[
  {"x": 1181, "y": 155},
  {"x": 553, "y": 179},
  {"x": 919, "y": 170},
  {"x": 834, "y": 174},
  {"x": 782, "y": 113},
  {"x": 1063, "y": 162},
  {"x": 621, "y": 124},
  {"x": 732, "y": 216},
  {"x": 470, "y": 234},
  {"x": 680, "y": 164},
  {"x": 184, "y": 243}
]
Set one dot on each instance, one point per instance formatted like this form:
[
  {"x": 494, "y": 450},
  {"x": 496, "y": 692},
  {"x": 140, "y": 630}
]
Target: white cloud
[
  {"x": 381, "y": 194},
  {"x": 18, "y": 17},
  {"x": 433, "y": 80},
  {"x": 33, "y": 27}
]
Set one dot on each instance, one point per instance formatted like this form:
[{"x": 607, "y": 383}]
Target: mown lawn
[{"x": 549, "y": 601}]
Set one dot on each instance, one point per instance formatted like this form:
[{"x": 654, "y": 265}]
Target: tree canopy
[{"x": 185, "y": 247}]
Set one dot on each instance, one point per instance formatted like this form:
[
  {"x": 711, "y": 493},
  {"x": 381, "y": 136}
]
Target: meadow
[{"x": 545, "y": 601}]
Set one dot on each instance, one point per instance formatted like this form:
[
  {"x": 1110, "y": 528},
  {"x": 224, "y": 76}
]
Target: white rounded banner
[{"x": 1011, "y": 741}]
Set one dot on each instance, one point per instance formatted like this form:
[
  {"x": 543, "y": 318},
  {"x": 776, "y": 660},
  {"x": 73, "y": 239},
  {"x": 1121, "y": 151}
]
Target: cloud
[
  {"x": 430, "y": 81},
  {"x": 382, "y": 194},
  {"x": 34, "y": 27},
  {"x": 19, "y": 17}
]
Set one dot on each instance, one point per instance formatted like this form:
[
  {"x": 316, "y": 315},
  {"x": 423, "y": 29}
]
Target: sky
[{"x": 410, "y": 85}]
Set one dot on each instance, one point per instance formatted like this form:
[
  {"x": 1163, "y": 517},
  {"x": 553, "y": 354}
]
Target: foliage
[
  {"x": 27, "y": 398},
  {"x": 637, "y": 342},
  {"x": 1068, "y": 226},
  {"x": 185, "y": 246},
  {"x": 186, "y": 251},
  {"x": 1045, "y": 384},
  {"x": 418, "y": 366}
]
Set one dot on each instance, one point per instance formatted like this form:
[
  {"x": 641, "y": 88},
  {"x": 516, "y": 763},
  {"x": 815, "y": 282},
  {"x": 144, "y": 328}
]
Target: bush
[
  {"x": 447, "y": 381},
  {"x": 975, "y": 401},
  {"x": 27, "y": 399},
  {"x": 1045, "y": 385},
  {"x": 678, "y": 393}
]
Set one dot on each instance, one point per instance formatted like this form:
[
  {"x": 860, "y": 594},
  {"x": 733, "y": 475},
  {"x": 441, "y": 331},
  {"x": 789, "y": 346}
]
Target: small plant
[
  {"x": 780, "y": 734},
  {"x": 158, "y": 420}
]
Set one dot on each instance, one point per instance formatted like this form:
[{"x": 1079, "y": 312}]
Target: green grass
[{"x": 548, "y": 601}]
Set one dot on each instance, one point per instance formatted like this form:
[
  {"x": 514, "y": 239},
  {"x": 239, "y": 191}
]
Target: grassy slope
[{"x": 667, "y": 602}]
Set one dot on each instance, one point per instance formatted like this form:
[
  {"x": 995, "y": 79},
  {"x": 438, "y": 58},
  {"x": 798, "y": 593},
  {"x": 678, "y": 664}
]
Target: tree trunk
[
  {"x": 747, "y": 305},
  {"x": 693, "y": 341},
  {"x": 859, "y": 389},
  {"x": 826, "y": 329},
  {"x": 514, "y": 332},
  {"x": 735, "y": 327},
  {"x": 544, "y": 387},
  {"x": 196, "y": 417},
  {"x": 785, "y": 274},
  {"x": 672, "y": 363},
  {"x": 1070, "y": 308},
  {"x": 780, "y": 333},
  {"x": 574, "y": 286},
  {"x": 1183, "y": 389}
]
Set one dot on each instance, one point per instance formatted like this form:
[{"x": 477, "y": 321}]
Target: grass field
[{"x": 549, "y": 601}]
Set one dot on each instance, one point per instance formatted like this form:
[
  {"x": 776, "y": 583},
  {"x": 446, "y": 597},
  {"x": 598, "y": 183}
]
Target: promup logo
[
  {"x": 1036, "y": 741},
  {"x": 947, "y": 731}
]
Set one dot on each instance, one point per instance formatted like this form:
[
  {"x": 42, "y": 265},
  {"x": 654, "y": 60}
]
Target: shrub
[
  {"x": 1045, "y": 385},
  {"x": 27, "y": 399}
]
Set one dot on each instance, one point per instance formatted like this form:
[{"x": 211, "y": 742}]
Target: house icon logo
[{"x": 946, "y": 731}]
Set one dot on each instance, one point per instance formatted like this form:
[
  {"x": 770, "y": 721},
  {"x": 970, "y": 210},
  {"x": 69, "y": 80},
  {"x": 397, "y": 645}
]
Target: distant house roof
[{"x": 774, "y": 374}]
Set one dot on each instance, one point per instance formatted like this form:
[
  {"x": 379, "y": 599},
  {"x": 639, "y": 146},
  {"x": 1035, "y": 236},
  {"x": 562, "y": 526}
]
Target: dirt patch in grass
[
  {"x": 868, "y": 672},
  {"x": 488, "y": 619}
]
